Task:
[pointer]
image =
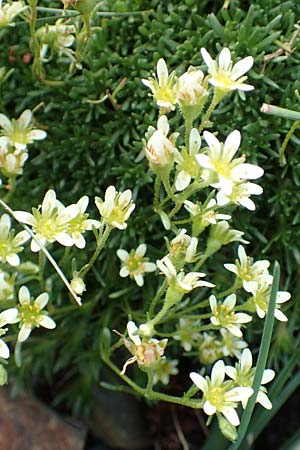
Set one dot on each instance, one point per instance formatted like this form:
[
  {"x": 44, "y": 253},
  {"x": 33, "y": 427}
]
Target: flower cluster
[
  {"x": 55, "y": 222},
  {"x": 55, "y": 39},
  {"x": 15, "y": 135}
]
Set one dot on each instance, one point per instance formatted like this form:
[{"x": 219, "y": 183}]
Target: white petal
[
  {"x": 149, "y": 267},
  {"x": 243, "y": 318},
  {"x": 162, "y": 72},
  {"x": 37, "y": 135},
  {"x": 209, "y": 409},
  {"x": 241, "y": 67},
  {"x": 199, "y": 381},
  {"x": 247, "y": 203},
  {"x": 25, "y": 118},
  {"x": 5, "y": 122},
  {"x": 234, "y": 330},
  {"x": 24, "y": 217},
  {"x": 195, "y": 140},
  {"x": 83, "y": 204},
  {"x": 122, "y": 254},
  {"x": 230, "y": 372},
  {"x": 4, "y": 350},
  {"x": 42, "y": 300},
  {"x": 208, "y": 59},
  {"x": 132, "y": 329},
  {"x": 9, "y": 316},
  {"x": 212, "y": 302},
  {"x": 79, "y": 240},
  {"x": 247, "y": 171},
  {"x": 21, "y": 237},
  {"x": 218, "y": 373},
  {"x": 141, "y": 250},
  {"x": 280, "y": 316},
  {"x": 204, "y": 161},
  {"x": 139, "y": 279},
  {"x": 13, "y": 259},
  {"x": 268, "y": 376},
  {"x": 263, "y": 399},
  {"x": 282, "y": 297},
  {"x": 230, "y": 301},
  {"x": 64, "y": 239},
  {"x": 231, "y": 415},
  {"x": 24, "y": 333},
  {"x": 232, "y": 144},
  {"x": 163, "y": 125},
  {"x": 49, "y": 202},
  {"x": 231, "y": 268},
  {"x": 69, "y": 213},
  {"x": 246, "y": 360},
  {"x": 183, "y": 179},
  {"x": 46, "y": 322},
  {"x": 24, "y": 295},
  {"x": 225, "y": 59},
  {"x": 124, "y": 272},
  {"x": 212, "y": 141}
]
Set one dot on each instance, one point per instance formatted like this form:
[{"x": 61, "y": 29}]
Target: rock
[
  {"x": 118, "y": 419},
  {"x": 27, "y": 424}
]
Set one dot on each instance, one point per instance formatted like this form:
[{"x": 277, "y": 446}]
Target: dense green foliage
[{"x": 92, "y": 145}]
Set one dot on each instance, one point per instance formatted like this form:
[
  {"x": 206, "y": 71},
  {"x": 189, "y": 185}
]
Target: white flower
[
  {"x": 187, "y": 167},
  {"x": 7, "y": 316},
  {"x": 261, "y": 298},
  {"x": 183, "y": 247},
  {"x": 222, "y": 234},
  {"x": 204, "y": 214},
  {"x": 20, "y": 132},
  {"x": 209, "y": 349},
  {"x": 134, "y": 264},
  {"x": 243, "y": 375},
  {"x": 81, "y": 223},
  {"x": 9, "y": 11},
  {"x": 11, "y": 160},
  {"x": 160, "y": 149},
  {"x": 56, "y": 38},
  {"x": 31, "y": 314},
  {"x": 249, "y": 272},
  {"x": 225, "y": 316},
  {"x": 230, "y": 344},
  {"x": 240, "y": 195},
  {"x": 191, "y": 89},
  {"x": 164, "y": 369},
  {"x": 186, "y": 333},
  {"x": 50, "y": 222},
  {"x": 10, "y": 245},
  {"x": 146, "y": 352},
  {"x": 164, "y": 88},
  {"x": 223, "y": 75},
  {"x": 181, "y": 281},
  {"x": 218, "y": 395},
  {"x": 221, "y": 170},
  {"x": 116, "y": 207}
]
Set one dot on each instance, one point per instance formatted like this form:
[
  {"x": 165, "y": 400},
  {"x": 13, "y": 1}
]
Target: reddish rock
[{"x": 27, "y": 424}]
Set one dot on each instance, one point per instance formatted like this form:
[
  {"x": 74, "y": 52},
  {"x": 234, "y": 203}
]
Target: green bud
[{"x": 227, "y": 429}]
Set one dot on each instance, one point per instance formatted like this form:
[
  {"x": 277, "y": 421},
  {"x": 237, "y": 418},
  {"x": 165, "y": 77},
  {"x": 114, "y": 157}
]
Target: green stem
[
  {"x": 158, "y": 295},
  {"x": 157, "y": 185},
  {"x": 85, "y": 269},
  {"x": 217, "y": 97},
  {"x": 282, "y": 159},
  {"x": 12, "y": 187},
  {"x": 41, "y": 268},
  {"x": 149, "y": 387},
  {"x": 188, "y": 128}
]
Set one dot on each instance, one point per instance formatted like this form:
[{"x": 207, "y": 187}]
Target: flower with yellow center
[
  {"x": 10, "y": 244},
  {"x": 164, "y": 369},
  {"x": 225, "y": 77},
  {"x": 221, "y": 171},
  {"x": 11, "y": 160},
  {"x": 243, "y": 375},
  {"x": 164, "y": 88},
  {"x": 240, "y": 195},
  {"x": 116, "y": 207},
  {"x": 251, "y": 273},
  {"x": 260, "y": 299},
  {"x": 9, "y": 11},
  {"x": 19, "y": 132},
  {"x": 219, "y": 396},
  {"x": 187, "y": 333},
  {"x": 80, "y": 224},
  {"x": 134, "y": 264},
  {"x": 6, "y": 286},
  {"x": 31, "y": 314},
  {"x": 224, "y": 315},
  {"x": 204, "y": 214},
  {"x": 183, "y": 248},
  {"x": 50, "y": 222}
]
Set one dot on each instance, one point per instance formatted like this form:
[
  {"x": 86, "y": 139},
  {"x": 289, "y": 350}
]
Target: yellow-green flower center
[{"x": 215, "y": 396}]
